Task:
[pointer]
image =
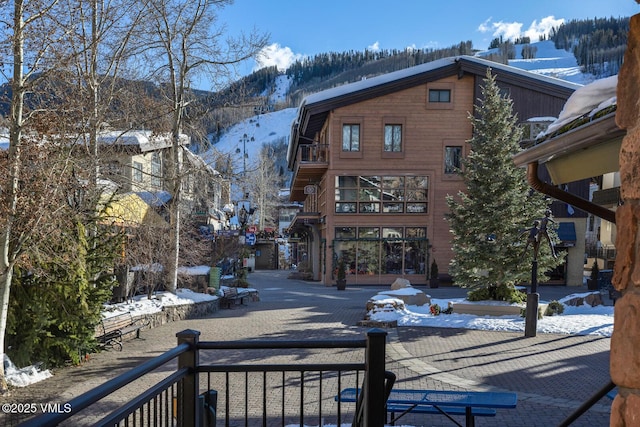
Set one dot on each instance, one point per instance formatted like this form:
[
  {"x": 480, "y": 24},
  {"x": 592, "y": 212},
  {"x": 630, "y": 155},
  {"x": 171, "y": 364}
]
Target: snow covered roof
[
  {"x": 588, "y": 100},
  {"x": 145, "y": 139},
  {"x": 199, "y": 162},
  {"x": 157, "y": 199},
  {"x": 584, "y": 141},
  {"x": 421, "y": 69}
]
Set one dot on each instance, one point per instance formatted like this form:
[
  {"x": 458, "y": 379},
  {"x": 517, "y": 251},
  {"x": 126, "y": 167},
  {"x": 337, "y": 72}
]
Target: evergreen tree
[
  {"x": 488, "y": 220},
  {"x": 57, "y": 303}
]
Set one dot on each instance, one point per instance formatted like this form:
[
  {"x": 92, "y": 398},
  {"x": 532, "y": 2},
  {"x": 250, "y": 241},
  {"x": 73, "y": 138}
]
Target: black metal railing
[
  {"x": 315, "y": 153},
  {"x": 588, "y": 404},
  {"x": 257, "y": 391}
]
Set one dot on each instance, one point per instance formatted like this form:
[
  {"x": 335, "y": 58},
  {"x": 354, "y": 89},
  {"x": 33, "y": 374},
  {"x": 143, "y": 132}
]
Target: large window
[
  {"x": 381, "y": 194},
  {"x": 416, "y": 194},
  {"x": 393, "y": 138},
  {"x": 351, "y": 137},
  {"x": 452, "y": 159},
  {"x": 382, "y": 250},
  {"x": 439, "y": 95}
]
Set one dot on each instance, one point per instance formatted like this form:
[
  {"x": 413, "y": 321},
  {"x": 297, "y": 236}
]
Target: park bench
[
  {"x": 448, "y": 403},
  {"x": 111, "y": 330},
  {"x": 229, "y": 297}
]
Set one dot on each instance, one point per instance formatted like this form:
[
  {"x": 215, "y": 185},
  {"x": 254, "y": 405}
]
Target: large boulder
[
  {"x": 400, "y": 283},
  {"x": 384, "y": 303},
  {"x": 576, "y": 300}
]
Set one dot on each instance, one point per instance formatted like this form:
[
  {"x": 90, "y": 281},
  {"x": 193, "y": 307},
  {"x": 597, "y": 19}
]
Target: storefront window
[
  {"x": 382, "y": 250},
  {"x": 346, "y": 232},
  {"x": 368, "y": 257},
  {"x": 347, "y": 252},
  {"x": 368, "y": 232},
  {"x": 416, "y": 232}
]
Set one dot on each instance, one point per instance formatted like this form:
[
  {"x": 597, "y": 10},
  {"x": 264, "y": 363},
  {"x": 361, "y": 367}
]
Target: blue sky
[{"x": 304, "y": 28}]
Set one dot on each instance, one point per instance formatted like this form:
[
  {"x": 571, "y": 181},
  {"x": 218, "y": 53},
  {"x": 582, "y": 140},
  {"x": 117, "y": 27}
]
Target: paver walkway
[{"x": 552, "y": 374}]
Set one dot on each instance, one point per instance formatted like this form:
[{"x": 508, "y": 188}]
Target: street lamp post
[
  {"x": 244, "y": 141},
  {"x": 533, "y": 298},
  {"x": 538, "y": 232}
]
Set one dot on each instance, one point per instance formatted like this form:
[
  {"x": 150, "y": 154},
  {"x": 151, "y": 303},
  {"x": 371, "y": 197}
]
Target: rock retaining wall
[{"x": 174, "y": 313}]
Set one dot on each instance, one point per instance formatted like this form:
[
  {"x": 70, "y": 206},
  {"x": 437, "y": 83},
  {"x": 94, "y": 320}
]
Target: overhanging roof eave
[{"x": 593, "y": 133}]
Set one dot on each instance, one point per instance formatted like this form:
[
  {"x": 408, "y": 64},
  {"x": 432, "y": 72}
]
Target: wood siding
[{"x": 426, "y": 131}]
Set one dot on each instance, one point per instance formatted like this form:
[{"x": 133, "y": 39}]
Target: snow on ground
[
  {"x": 22, "y": 377},
  {"x": 580, "y": 320},
  {"x": 259, "y": 130},
  {"x": 279, "y": 94},
  {"x": 141, "y": 305}
]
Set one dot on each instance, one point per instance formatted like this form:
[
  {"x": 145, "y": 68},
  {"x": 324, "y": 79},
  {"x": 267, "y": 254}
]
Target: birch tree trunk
[
  {"x": 7, "y": 258},
  {"x": 183, "y": 39}
]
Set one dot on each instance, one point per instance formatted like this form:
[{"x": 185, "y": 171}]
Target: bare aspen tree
[
  {"x": 264, "y": 187},
  {"x": 97, "y": 40},
  {"x": 27, "y": 59},
  {"x": 182, "y": 44}
]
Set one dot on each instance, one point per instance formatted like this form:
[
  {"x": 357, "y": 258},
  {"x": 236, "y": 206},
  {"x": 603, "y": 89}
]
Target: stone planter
[
  {"x": 492, "y": 308},
  {"x": 341, "y": 284}
]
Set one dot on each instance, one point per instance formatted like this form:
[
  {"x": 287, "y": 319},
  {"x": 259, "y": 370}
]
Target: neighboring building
[
  {"x": 583, "y": 146},
  {"x": 136, "y": 162},
  {"x": 373, "y": 162}
]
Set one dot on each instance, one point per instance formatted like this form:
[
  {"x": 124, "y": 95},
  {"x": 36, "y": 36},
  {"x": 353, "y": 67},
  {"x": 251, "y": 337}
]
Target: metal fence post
[
  {"x": 374, "y": 393},
  {"x": 188, "y": 413}
]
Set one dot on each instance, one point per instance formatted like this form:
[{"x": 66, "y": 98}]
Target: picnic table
[{"x": 440, "y": 401}]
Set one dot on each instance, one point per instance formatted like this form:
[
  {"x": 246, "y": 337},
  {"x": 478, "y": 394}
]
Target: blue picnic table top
[
  {"x": 442, "y": 398},
  {"x": 476, "y": 399}
]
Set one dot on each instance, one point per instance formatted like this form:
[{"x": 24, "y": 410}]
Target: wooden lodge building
[{"x": 374, "y": 160}]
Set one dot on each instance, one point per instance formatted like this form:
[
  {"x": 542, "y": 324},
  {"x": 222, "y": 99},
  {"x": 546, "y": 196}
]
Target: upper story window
[
  {"x": 452, "y": 159},
  {"x": 156, "y": 170},
  {"x": 381, "y": 194},
  {"x": 393, "y": 138},
  {"x": 137, "y": 172},
  {"x": 439, "y": 95},
  {"x": 351, "y": 137}
]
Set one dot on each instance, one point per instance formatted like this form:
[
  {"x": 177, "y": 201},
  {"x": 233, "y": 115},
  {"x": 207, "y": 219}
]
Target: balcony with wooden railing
[{"x": 311, "y": 164}]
